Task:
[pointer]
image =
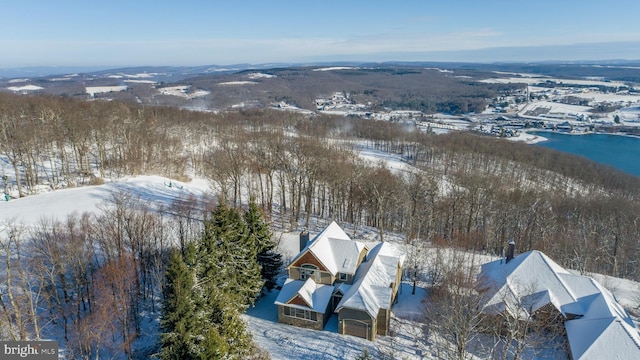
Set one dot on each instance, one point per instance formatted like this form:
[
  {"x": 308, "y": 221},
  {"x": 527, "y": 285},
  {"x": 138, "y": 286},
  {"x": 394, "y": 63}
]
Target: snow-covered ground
[
  {"x": 258, "y": 75},
  {"x": 559, "y": 110},
  {"x": 289, "y": 342},
  {"x": 527, "y": 138},
  {"x": 609, "y": 97},
  {"x": 135, "y": 81},
  {"x": 393, "y": 162},
  {"x": 536, "y": 79},
  {"x": 25, "y": 88},
  {"x": 240, "y": 82},
  {"x": 152, "y": 190},
  {"x": 182, "y": 91},
  {"x": 282, "y": 341},
  {"x": 333, "y": 68},
  {"x": 93, "y": 90}
]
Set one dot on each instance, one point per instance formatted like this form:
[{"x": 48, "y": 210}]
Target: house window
[
  {"x": 300, "y": 313},
  {"x": 342, "y": 277},
  {"x": 308, "y": 271}
]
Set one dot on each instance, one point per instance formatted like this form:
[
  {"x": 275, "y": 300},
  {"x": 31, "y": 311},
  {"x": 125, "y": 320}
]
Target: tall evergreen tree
[
  {"x": 179, "y": 322},
  {"x": 260, "y": 235},
  {"x": 208, "y": 286},
  {"x": 228, "y": 281},
  {"x": 228, "y": 257}
]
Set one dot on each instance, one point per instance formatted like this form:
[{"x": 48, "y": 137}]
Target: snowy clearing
[
  {"x": 25, "y": 88},
  {"x": 182, "y": 91},
  {"x": 391, "y": 162},
  {"x": 609, "y": 97},
  {"x": 531, "y": 80},
  {"x": 140, "y": 81},
  {"x": 93, "y": 90},
  {"x": 260, "y": 76},
  {"x": 332, "y": 68},
  {"x": 152, "y": 190},
  {"x": 556, "y": 109},
  {"x": 237, "y": 83}
]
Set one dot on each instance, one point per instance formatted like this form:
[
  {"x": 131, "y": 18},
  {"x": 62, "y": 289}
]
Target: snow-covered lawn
[{"x": 290, "y": 342}]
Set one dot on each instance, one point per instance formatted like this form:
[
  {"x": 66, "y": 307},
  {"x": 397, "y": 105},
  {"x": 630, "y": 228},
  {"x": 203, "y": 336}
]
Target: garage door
[{"x": 356, "y": 328}]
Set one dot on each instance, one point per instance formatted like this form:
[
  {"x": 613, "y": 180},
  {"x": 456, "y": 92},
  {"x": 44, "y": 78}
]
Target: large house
[
  {"x": 335, "y": 274},
  {"x": 531, "y": 284}
]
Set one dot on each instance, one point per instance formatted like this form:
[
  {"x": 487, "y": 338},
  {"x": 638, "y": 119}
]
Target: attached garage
[
  {"x": 364, "y": 310},
  {"x": 356, "y": 322},
  {"x": 357, "y": 328}
]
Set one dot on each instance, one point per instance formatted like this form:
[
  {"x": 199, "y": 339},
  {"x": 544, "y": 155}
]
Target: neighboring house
[
  {"x": 333, "y": 273},
  {"x": 531, "y": 284}
]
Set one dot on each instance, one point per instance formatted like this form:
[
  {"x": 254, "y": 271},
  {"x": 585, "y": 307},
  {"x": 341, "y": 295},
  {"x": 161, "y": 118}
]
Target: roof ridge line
[
  {"x": 566, "y": 286},
  {"x": 593, "y": 342}
]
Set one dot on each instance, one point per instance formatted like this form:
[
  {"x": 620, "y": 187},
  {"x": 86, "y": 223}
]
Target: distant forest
[{"x": 396, "y": 87}]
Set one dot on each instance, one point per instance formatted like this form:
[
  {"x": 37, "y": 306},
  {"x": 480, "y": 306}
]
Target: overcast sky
[{"x": 159, "y": 32}]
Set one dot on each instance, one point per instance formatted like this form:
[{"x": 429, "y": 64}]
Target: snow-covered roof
[
  {"x": 316, "y": 296},
  {"x": 373, "y": 289},
  {"x": 602, "y": 328},
  {"x": 606, "y": 338},
  {"x": 335, "y": 250},
  {"x": 511, "y": 286}
]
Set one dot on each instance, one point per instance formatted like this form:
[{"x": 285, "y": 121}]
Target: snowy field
[
  {"x": 152, "y": 190},
  {"x": 182, "y": 91},
  {"x": 25, "y": 88},
  {"x": 240, "y": 82},
  {"x": 335, "y": 68},
  {"x": 555, "y": 108},
  {"x": 93, "y": 90},
  {"x": 258, "y": 75},
  {"x": 536, "y": 79}
]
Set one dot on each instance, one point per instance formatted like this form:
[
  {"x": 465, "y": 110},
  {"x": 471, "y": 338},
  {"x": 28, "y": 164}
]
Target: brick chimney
[{"x": 511, "y": 250}]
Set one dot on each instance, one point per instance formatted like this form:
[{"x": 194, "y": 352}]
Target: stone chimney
[
  {"x": 511, "y": 250},
  {"x": 304, "y": 238}
]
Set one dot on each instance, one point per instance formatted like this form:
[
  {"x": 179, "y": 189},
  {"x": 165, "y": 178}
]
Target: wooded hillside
[{"x": 463, "y": 189}]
